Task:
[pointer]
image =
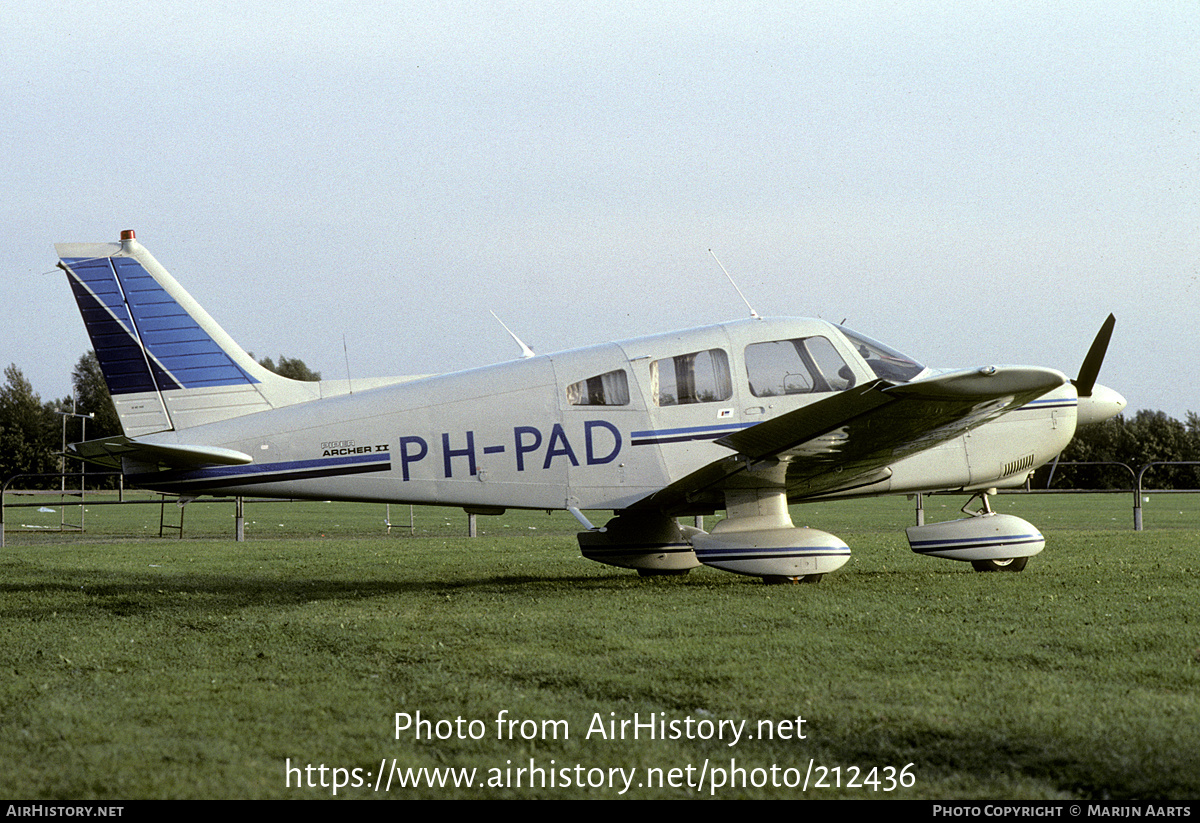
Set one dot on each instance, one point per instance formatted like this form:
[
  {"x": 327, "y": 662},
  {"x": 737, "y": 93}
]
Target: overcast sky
[{"x": 971, "y": 183}]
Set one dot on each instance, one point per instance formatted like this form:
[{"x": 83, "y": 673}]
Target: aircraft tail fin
[{"x": 167, "y": 363}]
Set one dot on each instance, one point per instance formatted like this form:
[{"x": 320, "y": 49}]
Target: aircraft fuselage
[{"x": 548, "y": 432}]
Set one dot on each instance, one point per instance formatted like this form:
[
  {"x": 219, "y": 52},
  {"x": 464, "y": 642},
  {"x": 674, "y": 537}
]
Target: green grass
[{"x": 140, "y": 667}]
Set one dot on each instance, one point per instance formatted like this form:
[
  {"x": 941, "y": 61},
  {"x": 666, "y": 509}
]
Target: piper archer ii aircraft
[{"x": 745, "y": 417}]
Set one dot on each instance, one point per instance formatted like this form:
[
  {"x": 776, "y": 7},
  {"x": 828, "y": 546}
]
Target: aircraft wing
[
  {"x": 111, "y": 451},
  {"x": 850, "y": 439}
]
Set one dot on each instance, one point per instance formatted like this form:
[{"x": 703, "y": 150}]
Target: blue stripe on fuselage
[
  {"x": 681, "y": 435},
  {"x": 224, "y": 476}
]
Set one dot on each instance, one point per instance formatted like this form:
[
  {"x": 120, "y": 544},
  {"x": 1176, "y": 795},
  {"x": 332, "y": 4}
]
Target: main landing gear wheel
[
  {"x": 1012, "y": 564},
  {"x": 778, "y": 579},
  {"x": 662, "y": 572}
]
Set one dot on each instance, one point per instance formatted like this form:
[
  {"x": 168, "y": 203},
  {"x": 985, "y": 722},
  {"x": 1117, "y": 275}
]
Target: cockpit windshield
[{"x": 886, "y": 362}]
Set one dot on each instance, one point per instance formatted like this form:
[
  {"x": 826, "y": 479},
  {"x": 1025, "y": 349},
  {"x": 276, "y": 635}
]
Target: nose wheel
[
  {"x": 1009, "y": 564},
  {"x": 1012, "y": 564}
]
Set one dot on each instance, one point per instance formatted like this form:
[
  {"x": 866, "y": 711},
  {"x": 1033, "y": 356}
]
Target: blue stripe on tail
[{"x": 124, "y": 309}]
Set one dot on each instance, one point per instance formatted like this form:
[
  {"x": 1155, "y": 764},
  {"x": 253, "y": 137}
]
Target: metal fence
[
  {"x": 70, "y": 497},
  {"x": 1137, "y": 477}
]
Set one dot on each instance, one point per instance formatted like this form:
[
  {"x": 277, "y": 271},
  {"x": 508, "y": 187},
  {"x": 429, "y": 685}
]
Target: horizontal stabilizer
[{"x": 111, "y": 451}]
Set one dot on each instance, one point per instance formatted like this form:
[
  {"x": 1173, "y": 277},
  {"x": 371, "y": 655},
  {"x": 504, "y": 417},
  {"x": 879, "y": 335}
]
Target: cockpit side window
[
  {"x": 608, "y": 389},
  {"x": 885, "y": 361},
  {"x": 799, "y": 366},
  {"x": 697, "y": 377}
]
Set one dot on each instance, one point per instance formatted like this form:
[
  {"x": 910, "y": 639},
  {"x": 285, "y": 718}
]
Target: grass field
[{"x": 140, "y": 667}]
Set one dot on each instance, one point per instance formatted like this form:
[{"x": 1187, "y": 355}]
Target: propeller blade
[{"x": 1090, "y": 369}]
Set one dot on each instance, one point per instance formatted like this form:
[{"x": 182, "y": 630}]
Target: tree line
[
  {"x": 1146, "y": 437},
  {"x": 32, "y": 432}
]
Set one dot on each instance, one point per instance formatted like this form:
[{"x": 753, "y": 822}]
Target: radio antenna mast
[
  {"x": 525, "y": 350},
  {"x": 753, "y": 313}
]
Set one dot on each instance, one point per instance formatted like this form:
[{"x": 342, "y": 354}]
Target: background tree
[
  {"x": 1107, "y": 442},
  {"x": 1147, "y": 437},
  {"x": 1159, "y": 437},
  {"x": 29, "y": 430},
  {"x": 92, "y": 397},
  {"x": 293, "y": 368}
]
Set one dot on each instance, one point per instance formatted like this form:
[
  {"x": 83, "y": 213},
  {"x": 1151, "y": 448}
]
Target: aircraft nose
[{"x": 1102, "y": 404}]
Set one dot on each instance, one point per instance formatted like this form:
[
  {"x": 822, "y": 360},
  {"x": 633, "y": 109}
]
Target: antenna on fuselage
[
  {"x": 525, "y": 350},
  {"x": 753, "y": 313},
  {"x": 346, "y": 353}
]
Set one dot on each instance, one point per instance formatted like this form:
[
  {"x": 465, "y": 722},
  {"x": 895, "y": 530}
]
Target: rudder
[{"x": 167, "y": 363}]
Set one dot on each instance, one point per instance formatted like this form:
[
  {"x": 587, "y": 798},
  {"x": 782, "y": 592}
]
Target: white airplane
[{"x": 743, "y": 417}]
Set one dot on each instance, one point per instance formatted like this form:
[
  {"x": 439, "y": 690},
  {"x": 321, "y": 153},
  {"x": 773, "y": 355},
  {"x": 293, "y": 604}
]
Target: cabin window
[
  {"x": 885, "y": 361},
  {"x": 698, "y": 377},
  {"x": 799, "y": 366},
  {"x": 608, "y": 389}
]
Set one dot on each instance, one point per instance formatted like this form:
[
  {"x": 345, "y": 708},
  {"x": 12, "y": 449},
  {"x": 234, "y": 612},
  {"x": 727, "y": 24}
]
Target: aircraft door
[
  {"x": 692, "y": 398},
  {"x": 602, "y": 409}
]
